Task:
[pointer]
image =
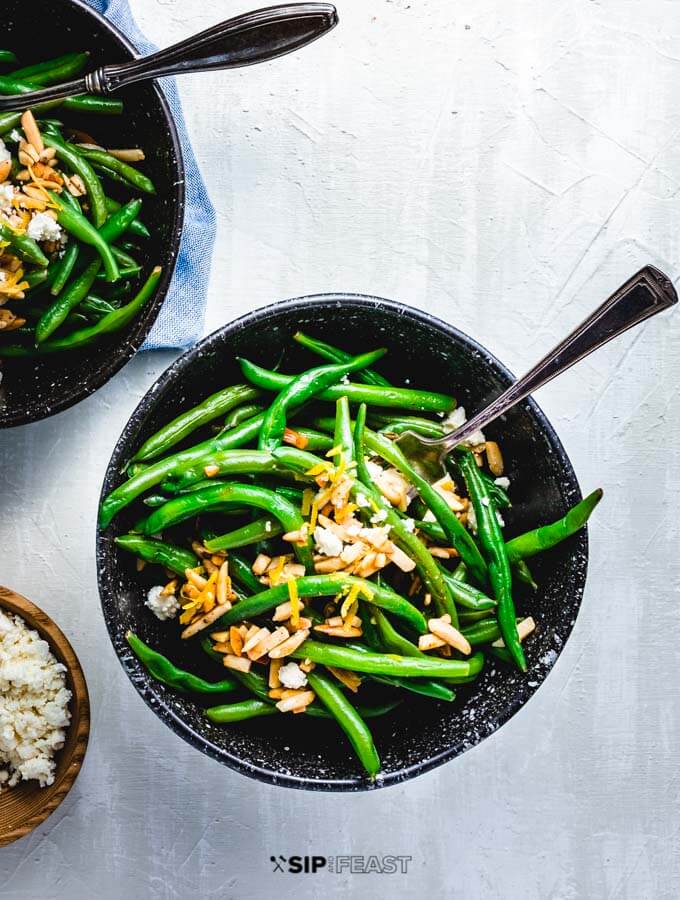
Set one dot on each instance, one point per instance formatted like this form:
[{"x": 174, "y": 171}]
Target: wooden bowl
[{"x": 24, "y": 807}]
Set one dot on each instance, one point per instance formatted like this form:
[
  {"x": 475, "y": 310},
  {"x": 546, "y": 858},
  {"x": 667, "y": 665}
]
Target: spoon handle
[
  {"x": 644, "y": 295},
  {"x": 242, "y": 41}
]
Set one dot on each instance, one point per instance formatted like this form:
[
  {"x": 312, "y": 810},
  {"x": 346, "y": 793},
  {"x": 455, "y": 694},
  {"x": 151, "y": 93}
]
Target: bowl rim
[
  {"x": 137, "y": 674},
  {"x": 38, "y": 620},
  {"x": 47, "y": 409}
]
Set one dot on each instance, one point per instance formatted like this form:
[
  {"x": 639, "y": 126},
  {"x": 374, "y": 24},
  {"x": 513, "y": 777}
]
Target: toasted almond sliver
[
  {"x": 211, "y": 471},
  {"x": 524, "y": 629},
  {"x": 429, "y": 642},
  {"x": 339, "y": 632},
  {"x": 5, "y": 167},
  {"x": 236, "y": 640},
  {"x": 303, "y": 622},
  {"x": 131, "y": 154},
  {"x": 449, "y": 635},
  {"x": 268, "y": 643},
  {"x": 274, "y": 680},
  {"x": 205, "y": 621},
  {"x": 494, "y": 457},
  {"x": 289, "y": 645},
  {"x": 220, "y": 635},
  {"x": 276, "y": 693},
  {"x": 223, "y": 647},
  {"x": 240, "y": 663},
  {"x": 255, "y": 639},
  {"x": 282, "y": 612},
  {"x": 194, "y": 578},
  {"x": 350, "y": 679},
  {"x": 329, "y": 564},
  {"x": 307, "y": 665},
  {"x": 262, "y": 562},
  {"x": 443, "y": 552},
  {"x": 298, "y": 701},
  {"x": 401, "y": 560},
  {"x": 223, "y": 582}
]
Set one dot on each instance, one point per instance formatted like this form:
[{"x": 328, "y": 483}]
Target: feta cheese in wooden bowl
[{"x": 44, "y": 716}]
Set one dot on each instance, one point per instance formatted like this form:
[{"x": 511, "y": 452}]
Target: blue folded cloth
[{"x": 180, "y": 321}]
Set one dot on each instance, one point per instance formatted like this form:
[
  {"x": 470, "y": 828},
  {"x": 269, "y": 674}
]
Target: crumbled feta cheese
[
  {"x": 43, "y": 228},
  {"x": 163, "y": 607},
  {"x": 15, "y": 135},
  {"x": 292, "y": 677},
  {"x": 33, "y": 704},
  {"x": 502, "y": 482},
  {"x": 4, "y": 152},
  {"x": 455, "y": 418},
  {"x": 267, "y": 525},
  {"x": 409, "y": 525},
  {"x": 327, "y": 543},
  {"x": 345, "y": 379},
  {"x": 6, "y": 194},
  {"x": 476, "y": 438},
  {"x": 500, "y": 519},
  {"x": 362, "y": 500},
  {"x": 472, "y": 518},
  {"x": 379, "y": 517},
  {"x": 485, "y": 501}
]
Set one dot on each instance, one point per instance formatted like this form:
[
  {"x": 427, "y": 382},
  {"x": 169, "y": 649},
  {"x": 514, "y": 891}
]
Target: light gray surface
[{"x": 503, "y": 166}]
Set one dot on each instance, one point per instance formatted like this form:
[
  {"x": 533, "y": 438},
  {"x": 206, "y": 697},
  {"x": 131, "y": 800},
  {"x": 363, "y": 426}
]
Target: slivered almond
[
  {"x": 276, "y": 693},
  {"x": 449, "y": 635},
  {"x": 223, "y": 647},
  {"x": 236, "y": 640},
  {"x": 307, "y": 665},
  {"x": 339, "y": 632},
  {"x": 239, "y": 663},
  {"x": 297, "y": 701},
  {"x": 329, "y": 564},
  {"x": 262, "y": 561},
  {"x": 288, "y": 646},
  {"x": 282, "y": 612},
  {"x": 205, "y": 621},
  {"x": 524, "y": 629},
  {"x": 249, "y": 632},
  {"x": 274, "y": 680},
  {"x": 303, "y": 623},
  {"x": 5, "y": 167},
  {"x": 494, "y": 457},
  {"x": 443, "y": 552},
  {"x": 129, "y": 154},
  {"x": 278, "y": 636},
  {"x": 429, "y": 642},
  {"x": 32, "y": 132},
  {"x": 339, "y": 622},
  {"x": 211, "y": 471},
  {"x": 220, "y": 635},
  {"x": 194, "y": 578},
  {"x": 350, "y": 679},
  {"x": 255, "y": 638},
  {"x": 224, "y": 591}
]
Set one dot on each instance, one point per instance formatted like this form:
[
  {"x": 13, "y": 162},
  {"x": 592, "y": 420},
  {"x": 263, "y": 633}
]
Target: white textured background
[{"x": 504, "y": 165}]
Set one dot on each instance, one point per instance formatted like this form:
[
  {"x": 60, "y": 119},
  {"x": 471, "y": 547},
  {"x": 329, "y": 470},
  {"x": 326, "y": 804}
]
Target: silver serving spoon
[
  {"x": 645, "y": 294},
  {"x": 251, "y": 38}
]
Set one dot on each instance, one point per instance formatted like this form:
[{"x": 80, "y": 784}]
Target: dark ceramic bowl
[
  {"x": 37, "y": 388},
  {"x": 310, "y": 753}
]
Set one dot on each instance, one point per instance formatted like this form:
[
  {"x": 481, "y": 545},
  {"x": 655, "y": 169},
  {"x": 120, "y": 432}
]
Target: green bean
[
  {"x": 83, "y": 230},
  {"x": 392, "y": 640},
  {"x": 523, "y": 573},
  {"x": 129, "y": 173},
  {"x": 136, "y": 227},
  {"x": 302, "y": 388},
  {"x": 408, "y": 542},
  {"x": 327, "y": 586},
  {"x": 7, "y": 58},
  {"x": 252, "y": 533},
  {"x": 422, "y": 686},
  {"x": 188, "y": 505},
  {"x": 466, "y": 594},
  {"x": 532, "y": 542},
  {"x": 493, "y": 544},
  {"x": 315, "y": 441},
  {"x": 183, "y": 425},
  {"x": 76, "y": 163},
  {"x": 386, "y": 664},
  {"x": 240, "y": 712},
  {"x": 411, "y": 423},
  {"x": 52, "y": 71},
  {"x": 83, "y": 103},
  {"x": 240, "y": 571},
  {"x": 342, "y": 436},
  {"x": 109, "y": 324},
  {"x": 334, "y": 354},
  {"x": 330, "y": 694},
  {"x": 171, "y": 675},
  {"x": 23, "y": 246},
  {"x": 496, "y": 492},
  {"x": 65, "y": 268},
  {"x": 426, "y": 401},
  {"x": 199, "y": 455},
  {"x": 56, "y": 314},
  {"x": 159, "y": 552},
  {"x": 240, "y": 414}
]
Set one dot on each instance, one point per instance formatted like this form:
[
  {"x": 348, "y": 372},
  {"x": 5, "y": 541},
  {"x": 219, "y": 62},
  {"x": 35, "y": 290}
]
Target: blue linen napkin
[{"x": 180, "y": 321}]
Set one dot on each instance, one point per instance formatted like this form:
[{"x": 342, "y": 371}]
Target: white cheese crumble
[
  {"x": 33, "y": 705},
  {"x": 292, "y": 677},
  {"x": 502, "y": 482},
  {"x": 485, "y": 501},
  {"x": 6, "y": 194},
  {"x": 379, "y": 517},
  {"x": 362, "y": 500},
  {"x": 409, "y": 525},
  {"x": 163, "y": 607},
  {"x": 15, "y": 135},
  {"x": 43, "y": 228},
  {"x": 472, "y": 518},
  {"x": 327, "y": 543},
  {"x": 455, "y": 418},
  {"x": 4, "y": 152}
]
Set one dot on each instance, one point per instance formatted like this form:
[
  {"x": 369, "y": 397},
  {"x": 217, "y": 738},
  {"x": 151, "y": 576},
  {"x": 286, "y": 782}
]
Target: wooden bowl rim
[{"x": 39, "y": 621}]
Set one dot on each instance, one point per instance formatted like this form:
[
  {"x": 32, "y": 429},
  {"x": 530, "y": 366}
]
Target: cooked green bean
[
  {"x": 80, "y": 166},
  {"x": 51, "y": 71},
  {"x": 154, "y": 551},
  {"x": 240, "y": 712},
  {"x": 260, "y": 530},
  {"x": 171, "y": 675},
  {"x": 125, "y": 170},
  {"x": 532, "y": 542},
  {"x": 326, "y": 351},
  {"x": 23, "y": 245},
  {"x": 387, "y": 664}
]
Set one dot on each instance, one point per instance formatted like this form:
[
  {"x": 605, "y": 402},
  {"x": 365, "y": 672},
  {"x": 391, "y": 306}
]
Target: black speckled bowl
[
  {"x": 34, "y": 389},
  {"x": 310, "y": 753}
]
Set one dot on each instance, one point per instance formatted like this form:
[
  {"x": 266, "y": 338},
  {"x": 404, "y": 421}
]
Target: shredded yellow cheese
[
  {"x": 307, "y": 500},
  {"x": 275, "y": 574},
  {"x": 294, "y": 602}
]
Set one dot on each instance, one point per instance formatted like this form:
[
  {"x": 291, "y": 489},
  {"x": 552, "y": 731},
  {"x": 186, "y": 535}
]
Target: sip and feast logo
[{"x": 340, "y": 865}]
